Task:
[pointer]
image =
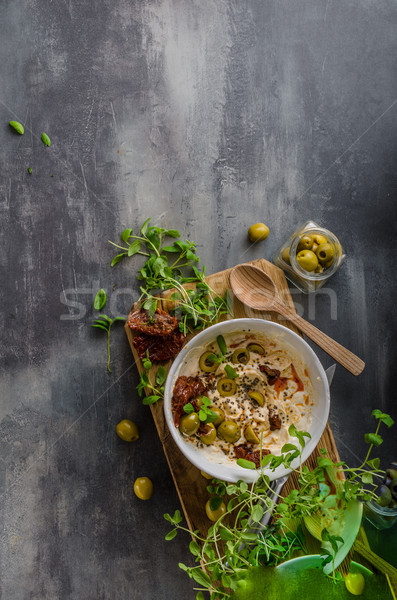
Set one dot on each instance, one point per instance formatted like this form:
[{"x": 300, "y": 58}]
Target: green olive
[
  {"x": 285, "y": 255},
  {"x": 229, "y": 431},
  {"x": 305, "y": 243},
  {"x": 391, "y": 473},
  {"x": 208, "y": 362},
  {"x": 319, "y": 269},
  {"x": 258, "y": 232},
  {"x": 325, "y": 253},
  {"x": 250, "y": 435},
  {"x": 318, "y": 239},
  {"x": 214, "y": 515},
  {"x": 143, "y": 488},
  {"x": 393, "y": 487},
  {"x": 241, "y": 355},
  {"x": 220, "y": 413},
  {"x": 257, "y": 348},
  {"x": 307, "y": 260},
  {"x": 384, "y": 497},
  {"x": 355, "y": 583},
  {"x": 258, "y": 397},
  {"x": 226, "y": 387},
  {"x": 189, "y": 424},
  {"x": 208, "y": 438},
  {"x": 127, "y": 430}
]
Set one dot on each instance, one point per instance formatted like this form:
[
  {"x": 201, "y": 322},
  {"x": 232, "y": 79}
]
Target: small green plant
[
  {"x": 105, "y": 323},
  {"x": 156, "y": 388},
  {"x": 237, "y": 541}
]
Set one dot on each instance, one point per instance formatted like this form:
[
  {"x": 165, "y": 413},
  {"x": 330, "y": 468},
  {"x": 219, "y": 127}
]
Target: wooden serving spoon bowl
[{"x": 256, "y": 289}]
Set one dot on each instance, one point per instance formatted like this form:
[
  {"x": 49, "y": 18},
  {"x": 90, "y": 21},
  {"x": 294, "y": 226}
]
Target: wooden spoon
[{"x": 256, "y": 289}]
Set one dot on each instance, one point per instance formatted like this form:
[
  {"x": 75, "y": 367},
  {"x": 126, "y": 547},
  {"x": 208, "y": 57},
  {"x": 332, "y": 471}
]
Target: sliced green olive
[
  {"x": 257, "y": 348},
  {"x": 220, "y": 413},
  {"x": 250, "y": 435},
  {"x": 258, "y": 397},
  {"x": 325, "y": 253},
  {"x": 189, "y": 424},
  {"x": 226, "y": 386},
  {"x": 229, "y": 431},
  {"x": 208, "y": 362},
  {"x": 208, "y": 438},
  {"x": 241, "y": 355}
]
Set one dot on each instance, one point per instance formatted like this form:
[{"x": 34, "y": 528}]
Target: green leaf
[
  {"x": 200, "y": 596},
  {"x": 134, "y": 247},
  {"x": 226, "y": 534},
  {"x": 257, "y": 513},
  {"x": 373, "y": 438},
  {"x": 324, "y": 461},
  {"x": 17, "y": 126},
  {"x": 200, "y": 577},
  {"x": 288, "y": 447},
  {"x": 374, "y": 463},
  {"x": 100, "y": 299},
  {"x": 177, "y": 516},
  {"x": 211, "y": 417},
  {"x": 150, "y": 400},
  {"x": 230, "y": 372},
  {"x": 188, "y": 408},
  {"x": 367, "y": 478},
  {"x": 99, "y": 326},
  {"x": 170, "y": 249},
  {"x": 386, "y": 419},
  {"x": 171, "y": 534},
  {"x": 266, "y": 460},
  {"x": 222, "y": 344},
  {"x": 145, "y": 226},
  {"x": 45, "y": 139},
  {"x": 246, "y": 464},
  {"x": 249, "y": 536},
  {"x": 172, "y": 233},
  {"x": 202, "y": 415},
  {"x": 161, "y": 375},
  {"x": 215, "y": 502},
  {"x": 119, "y": 320},
  {"x": 194, "y": 548},
  {"x": 126, "y": 235},
  {"x": 282, "y": 507},
  {"x": 183, "y": 567},
  {"x": 117, "y": 259}
]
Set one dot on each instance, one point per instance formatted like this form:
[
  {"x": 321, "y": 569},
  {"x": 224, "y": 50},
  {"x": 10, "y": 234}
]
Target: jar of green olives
[
  {"x": 310, "y": 256},
  {"x": 382, "y": 512}
]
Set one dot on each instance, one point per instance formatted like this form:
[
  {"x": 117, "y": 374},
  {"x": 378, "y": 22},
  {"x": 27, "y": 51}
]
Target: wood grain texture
[{"x": 190, "y": 484}]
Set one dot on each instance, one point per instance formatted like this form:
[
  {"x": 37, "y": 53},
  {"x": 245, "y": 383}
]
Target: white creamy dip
[{"x": 290, "y": 397}]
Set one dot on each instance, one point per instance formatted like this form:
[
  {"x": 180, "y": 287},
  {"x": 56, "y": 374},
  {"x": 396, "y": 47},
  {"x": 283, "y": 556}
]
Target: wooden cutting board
[{"x": 190, "y": 484}]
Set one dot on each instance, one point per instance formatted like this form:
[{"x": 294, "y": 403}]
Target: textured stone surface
[{"x": 208, "y": 116}]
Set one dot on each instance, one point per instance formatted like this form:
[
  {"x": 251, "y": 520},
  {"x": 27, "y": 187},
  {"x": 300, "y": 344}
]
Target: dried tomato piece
[
  {"x": 159, "y": 347},
  {"x": 274, "y": 420},
  {"x": 244, "y": 451},
  {"x": 185, "y": 389},
  {"x": 161, "y": 324},
  {"x": 272, "y": 374}
]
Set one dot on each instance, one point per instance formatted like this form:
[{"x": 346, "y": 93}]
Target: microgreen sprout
[
  {"x": 105, "y": 323},
  {"x": 157, "y": 387}
]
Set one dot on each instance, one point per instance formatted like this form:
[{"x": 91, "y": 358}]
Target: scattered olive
[
  {"x": 208, "y": 362},
  {"x": 209, "y": 436},
  {"x": 127, "y": 430},
  {"x": 325, "y": 253},
  {"x": 256, "y": 348},
  {"x": 307, "y": 260},
  {"x": 258, "y": 397},
  {"x": 143, "y": 488},
  {"x": 355, "y": 583},
  {"x": 220, "y": 415},
  {"x": 214, "y": 515},
  {"x": 241, "y": 355},
  {"x": 226, "y": 387},
  {"x": 258, "y": 232},
  {"x": 229, "y": 431},
  {"x": 305, "y": 243},
  {"x": 250, "y": 435},
  {"x": 189, "y": 424}
]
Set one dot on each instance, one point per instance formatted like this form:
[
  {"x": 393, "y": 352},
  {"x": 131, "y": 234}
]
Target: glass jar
[
  {"x": 381, "y": 517},
  {"x": 286, "y": 259}
]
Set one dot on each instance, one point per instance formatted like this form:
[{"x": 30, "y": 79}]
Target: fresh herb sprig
[
  {"x": 157, "y": 388},
  {"x": 236, "y": 542},
  {"x": 170, "y": 267},
  {"x": 206, "y": 415},
  {"x": 105, "y": 323}
]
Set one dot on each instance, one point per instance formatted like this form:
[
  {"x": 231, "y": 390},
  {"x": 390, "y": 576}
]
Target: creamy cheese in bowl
[{"x": 268, "y": 379}]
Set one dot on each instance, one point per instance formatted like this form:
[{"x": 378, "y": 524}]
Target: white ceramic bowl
[{"x": 317, "y": 375}]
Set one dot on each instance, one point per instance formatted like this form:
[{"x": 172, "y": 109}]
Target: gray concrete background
[{"x": 208, "y": 116}]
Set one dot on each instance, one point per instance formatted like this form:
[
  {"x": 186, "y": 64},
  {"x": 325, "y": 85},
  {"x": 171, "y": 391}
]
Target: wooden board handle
[{"x": 347, "y": 359}]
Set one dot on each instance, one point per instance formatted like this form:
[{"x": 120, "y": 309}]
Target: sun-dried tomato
[
  {"x": 274, "y": 420},
  {"x": 272, "y": 374},
  {"x": 159, "y": 347},
  {"x": 160, "y": 324},
  {"x": 244, "y": 451},
  {"x": 185, "y": 389}
]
